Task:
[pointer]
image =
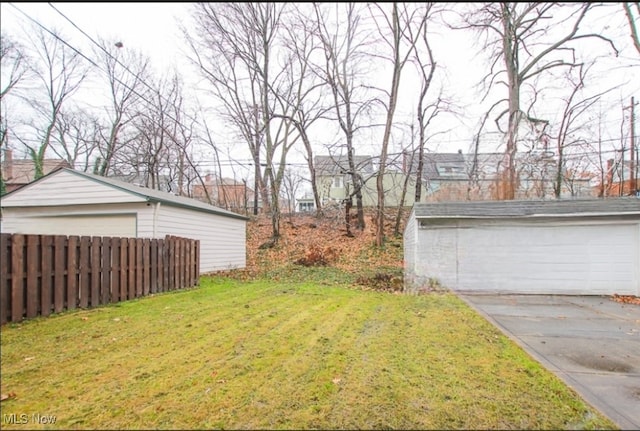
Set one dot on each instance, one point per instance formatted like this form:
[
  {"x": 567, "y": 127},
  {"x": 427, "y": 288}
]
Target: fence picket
[
  {"x": 85, "y": 267},
  {"x": 5, "y": 277},
  {"x": 59, "y": 272},
  {"x": 115, "y": 269},
  {"x": 131, "y": 269},
  {"x": 17, "y": 277},
  {"x": 33, "y": 270},
  {"x": 105, "y": 265},
  {"x": 146, "y": 266},
  {"x": 124, "y": 260},
  {"x": 94, "y": 273},
  {"x": 73, "y": 267},
  {"x": 46, "y": 278}
]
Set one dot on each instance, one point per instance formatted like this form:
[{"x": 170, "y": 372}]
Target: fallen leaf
[
  {"x": 29, "y": 358},
  {"x": 7, "y": 396}
]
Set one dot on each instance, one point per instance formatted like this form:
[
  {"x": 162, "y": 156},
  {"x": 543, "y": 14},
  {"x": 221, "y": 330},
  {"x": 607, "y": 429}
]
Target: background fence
[{"x": 44, "y": 274}]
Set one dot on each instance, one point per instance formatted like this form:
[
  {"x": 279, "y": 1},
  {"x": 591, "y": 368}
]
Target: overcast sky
[{"x": 151, "y": 28}]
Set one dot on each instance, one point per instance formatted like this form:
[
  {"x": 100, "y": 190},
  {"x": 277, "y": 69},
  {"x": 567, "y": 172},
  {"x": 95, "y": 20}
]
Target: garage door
[
  {"x": 115, "y": 225},
  {"x": 562, "y": 259}
]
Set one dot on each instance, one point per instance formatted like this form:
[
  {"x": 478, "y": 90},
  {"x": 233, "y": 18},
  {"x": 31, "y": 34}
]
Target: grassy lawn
[{"x": 279, "y": 355}]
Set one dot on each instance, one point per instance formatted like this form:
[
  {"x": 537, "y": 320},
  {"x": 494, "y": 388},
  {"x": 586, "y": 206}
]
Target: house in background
[
  {"x": 333, "y": 176},
  {"x": 69, "y": 202},
  {"x": 460, "y": 176},
  {"x": 20, "y": 172},
  {"x": 306, "y": 204},
  {"x": 226, "y": 193},
  {"x": 335, "y": 182}
]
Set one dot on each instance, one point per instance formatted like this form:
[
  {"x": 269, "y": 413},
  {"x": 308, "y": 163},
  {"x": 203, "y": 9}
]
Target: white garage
[
  {"x": 578, "y": 247},
  {"x": 69, "y": 202}
]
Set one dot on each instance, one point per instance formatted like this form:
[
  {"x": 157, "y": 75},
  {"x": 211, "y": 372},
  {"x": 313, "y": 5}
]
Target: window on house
[{"x": 337, "y": 182}]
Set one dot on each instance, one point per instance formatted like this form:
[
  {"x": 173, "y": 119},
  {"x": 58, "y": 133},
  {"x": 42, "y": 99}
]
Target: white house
[
  {"x": 582, "y": 246},
  {"x": 69, "y": 202}
]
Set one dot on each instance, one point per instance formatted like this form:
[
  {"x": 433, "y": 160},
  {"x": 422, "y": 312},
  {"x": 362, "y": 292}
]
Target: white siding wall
[
  {"x": 436, "y": 254},
  {"x": 409, "y": 245},
  {"x": 67, "y": 188},
  {"x": 222, "y": 239},
  {"x": 557, "y": 257}
]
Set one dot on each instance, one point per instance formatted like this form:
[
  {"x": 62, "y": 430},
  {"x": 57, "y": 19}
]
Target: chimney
[{"x": 7, "y": 165}]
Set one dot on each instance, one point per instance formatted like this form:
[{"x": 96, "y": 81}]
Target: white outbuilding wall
[
  {"x": 67, "y": 202},
  {"x": 571, "y": 254}
]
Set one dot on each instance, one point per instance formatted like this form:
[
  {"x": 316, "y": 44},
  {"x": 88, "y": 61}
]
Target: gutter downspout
[{"x": 156, "y": 209}]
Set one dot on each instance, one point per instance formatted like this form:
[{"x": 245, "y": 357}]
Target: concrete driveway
[{"x": 591, "y": 342}]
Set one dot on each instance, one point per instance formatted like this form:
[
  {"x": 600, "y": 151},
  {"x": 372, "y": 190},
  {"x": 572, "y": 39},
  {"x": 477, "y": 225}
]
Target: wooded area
[{"x": 289, "y": 80}]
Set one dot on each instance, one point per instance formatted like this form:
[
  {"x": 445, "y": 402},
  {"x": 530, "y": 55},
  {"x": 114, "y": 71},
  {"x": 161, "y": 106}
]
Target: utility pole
[{"x": 633, "y": 174}]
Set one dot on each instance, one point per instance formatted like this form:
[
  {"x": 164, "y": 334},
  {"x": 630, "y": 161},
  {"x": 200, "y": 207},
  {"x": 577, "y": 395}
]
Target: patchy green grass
[{"x": 280, "y": 355}]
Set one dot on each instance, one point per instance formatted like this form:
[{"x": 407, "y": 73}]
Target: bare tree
[
  {"x": 520, "y": 45},
  {"x": 426, "y": 111},
  {"x": 78, "y": 138},
  {"x": 633, "y": 18},
  {"x": 14, "y": 67},
  {"x": 127, "y": 73},
  {"x": 60, "y": 71},
  {"x": 305, "y": 99},
  {"x": 14, "y": 64},
  {"x": 401, "y": 30},
  {"x": 344, "y": 42},
  {"x": 290, "y": 185},
  {"x": 574, "y": 119},
  {"x": 234, "y": 48}
]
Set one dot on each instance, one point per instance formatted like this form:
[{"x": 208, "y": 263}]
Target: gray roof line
[
  {"x": 528, "y": 209},
  {"x": 154, "y": 195}
]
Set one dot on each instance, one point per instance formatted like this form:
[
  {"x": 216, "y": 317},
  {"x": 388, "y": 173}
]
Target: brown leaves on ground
[
  {"x": 307, "y": 240},
  {"x": 626, "y": 299}
]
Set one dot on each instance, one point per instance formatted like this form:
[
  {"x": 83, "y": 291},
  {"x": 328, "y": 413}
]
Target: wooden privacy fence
[{"x": 44, "y": 274}]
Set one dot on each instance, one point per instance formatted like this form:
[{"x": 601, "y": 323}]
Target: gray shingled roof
[
  {"x": 156, "y": 195},
  {"x": 336, "y": 165},
  {"x": 533, "y": 208}
]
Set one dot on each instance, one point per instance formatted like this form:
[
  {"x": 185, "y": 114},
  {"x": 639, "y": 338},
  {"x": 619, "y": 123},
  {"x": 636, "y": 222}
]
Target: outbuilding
[
  {"x": 576, "y": 247},
  {"x": 70, "y": 202}
]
